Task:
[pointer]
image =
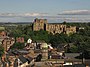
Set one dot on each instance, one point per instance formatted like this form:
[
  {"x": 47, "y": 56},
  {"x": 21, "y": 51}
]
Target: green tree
[
  {"x": 40, "y": 35},
  {"x": 18, "y": 46},
  {"x": 1, "y": 50}
]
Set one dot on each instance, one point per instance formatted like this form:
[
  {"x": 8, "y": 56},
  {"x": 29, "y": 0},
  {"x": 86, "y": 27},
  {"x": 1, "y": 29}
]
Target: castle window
[
  {"x": 60, "y": 28},
  {"x": 53, "y": 31}
]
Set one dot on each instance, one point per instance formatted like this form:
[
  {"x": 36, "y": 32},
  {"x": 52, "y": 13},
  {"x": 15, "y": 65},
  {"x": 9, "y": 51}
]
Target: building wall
[
  {"x": 53, "y": 28},
  {"x": 39, "y": 24},
  {"x": 44, "y": 53},
  {"x": 71, "y": 30},
  {"x": 7, "y": 43},
  {"x": 12, "y": 60},
  {"x": 3, "y": 34},
  {"x": 24, "y": 65},
  {"x": 20, "y": 39}
]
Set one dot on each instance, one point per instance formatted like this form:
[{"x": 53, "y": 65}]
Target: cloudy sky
[{"x": 53, "y": 10}]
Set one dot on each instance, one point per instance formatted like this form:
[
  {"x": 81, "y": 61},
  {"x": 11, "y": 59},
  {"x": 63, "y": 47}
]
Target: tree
[
  {"x": 57, "y": 39},
  {"x": 18, "y": 46},
  {"x": 64, "y": 22},
  {"x": 1, "y": 50},
  {"x": 40, "y": 35},
  {"x": 85, "y": 54}
]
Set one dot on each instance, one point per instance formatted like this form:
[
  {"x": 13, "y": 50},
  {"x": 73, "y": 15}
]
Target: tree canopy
[
  {"x": 1, "y": 50},
  {"x": 80, "y": 40}
]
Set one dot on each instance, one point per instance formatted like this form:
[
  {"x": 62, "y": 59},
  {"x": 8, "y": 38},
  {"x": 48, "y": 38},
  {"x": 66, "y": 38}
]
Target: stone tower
[{"x": 39, "y": 24}]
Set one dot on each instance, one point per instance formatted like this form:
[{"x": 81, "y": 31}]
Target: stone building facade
[
  {"x": 42, "y": 24},
  {"x": 71, "y": 29},
  {"x": 39, "y": 24},
  {"x": 20, "y": 39},
  {"x": 55, "y": 28},
  {"x": 3, "y": 34},
  {"x": 7, "y": 43}
]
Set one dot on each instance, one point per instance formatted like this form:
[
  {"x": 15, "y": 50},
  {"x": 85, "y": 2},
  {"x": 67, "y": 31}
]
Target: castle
[{"x": 42, "y": 24}]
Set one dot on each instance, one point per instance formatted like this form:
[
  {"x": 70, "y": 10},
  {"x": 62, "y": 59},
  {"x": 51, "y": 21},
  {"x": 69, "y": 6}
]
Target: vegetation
[
  {"x": 18, "y": 46},
  {"x": 1, "y": 50},
  {"x": 85, "y": 54},
  {"x": 79, "y": 40}
]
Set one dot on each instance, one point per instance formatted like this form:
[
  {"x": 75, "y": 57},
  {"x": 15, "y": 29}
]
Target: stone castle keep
[{"x": 42, "y": 24}]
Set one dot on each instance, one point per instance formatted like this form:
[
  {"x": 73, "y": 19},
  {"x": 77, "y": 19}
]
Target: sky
[{"x": 53, "y": 10}]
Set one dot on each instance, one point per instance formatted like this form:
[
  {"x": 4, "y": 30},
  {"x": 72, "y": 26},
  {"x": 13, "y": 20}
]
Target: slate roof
[
  {"x": 76, "y": 65},
  {"x": 68, "y": 66},
  {"x": 29, "y": 59},
  {"x": 72, "y": 55},
  {"x": 79, "y": 65},
  {"x": 22, "y": 59}
]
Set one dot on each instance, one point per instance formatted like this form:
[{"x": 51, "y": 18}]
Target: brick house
[{"x": 20, "y": 39}]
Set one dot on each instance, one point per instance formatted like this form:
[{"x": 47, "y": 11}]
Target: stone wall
[{"x": 41, "y": 24}]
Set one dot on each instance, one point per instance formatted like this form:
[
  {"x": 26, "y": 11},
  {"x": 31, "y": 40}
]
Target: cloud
[
  {"x": 7, "y": 14},
  {"x": 75, "y": 12},
  {"x": 35, "y": 14},
  {"x": 22, "y": 14},
  {"x": 68, "y": 16}
]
